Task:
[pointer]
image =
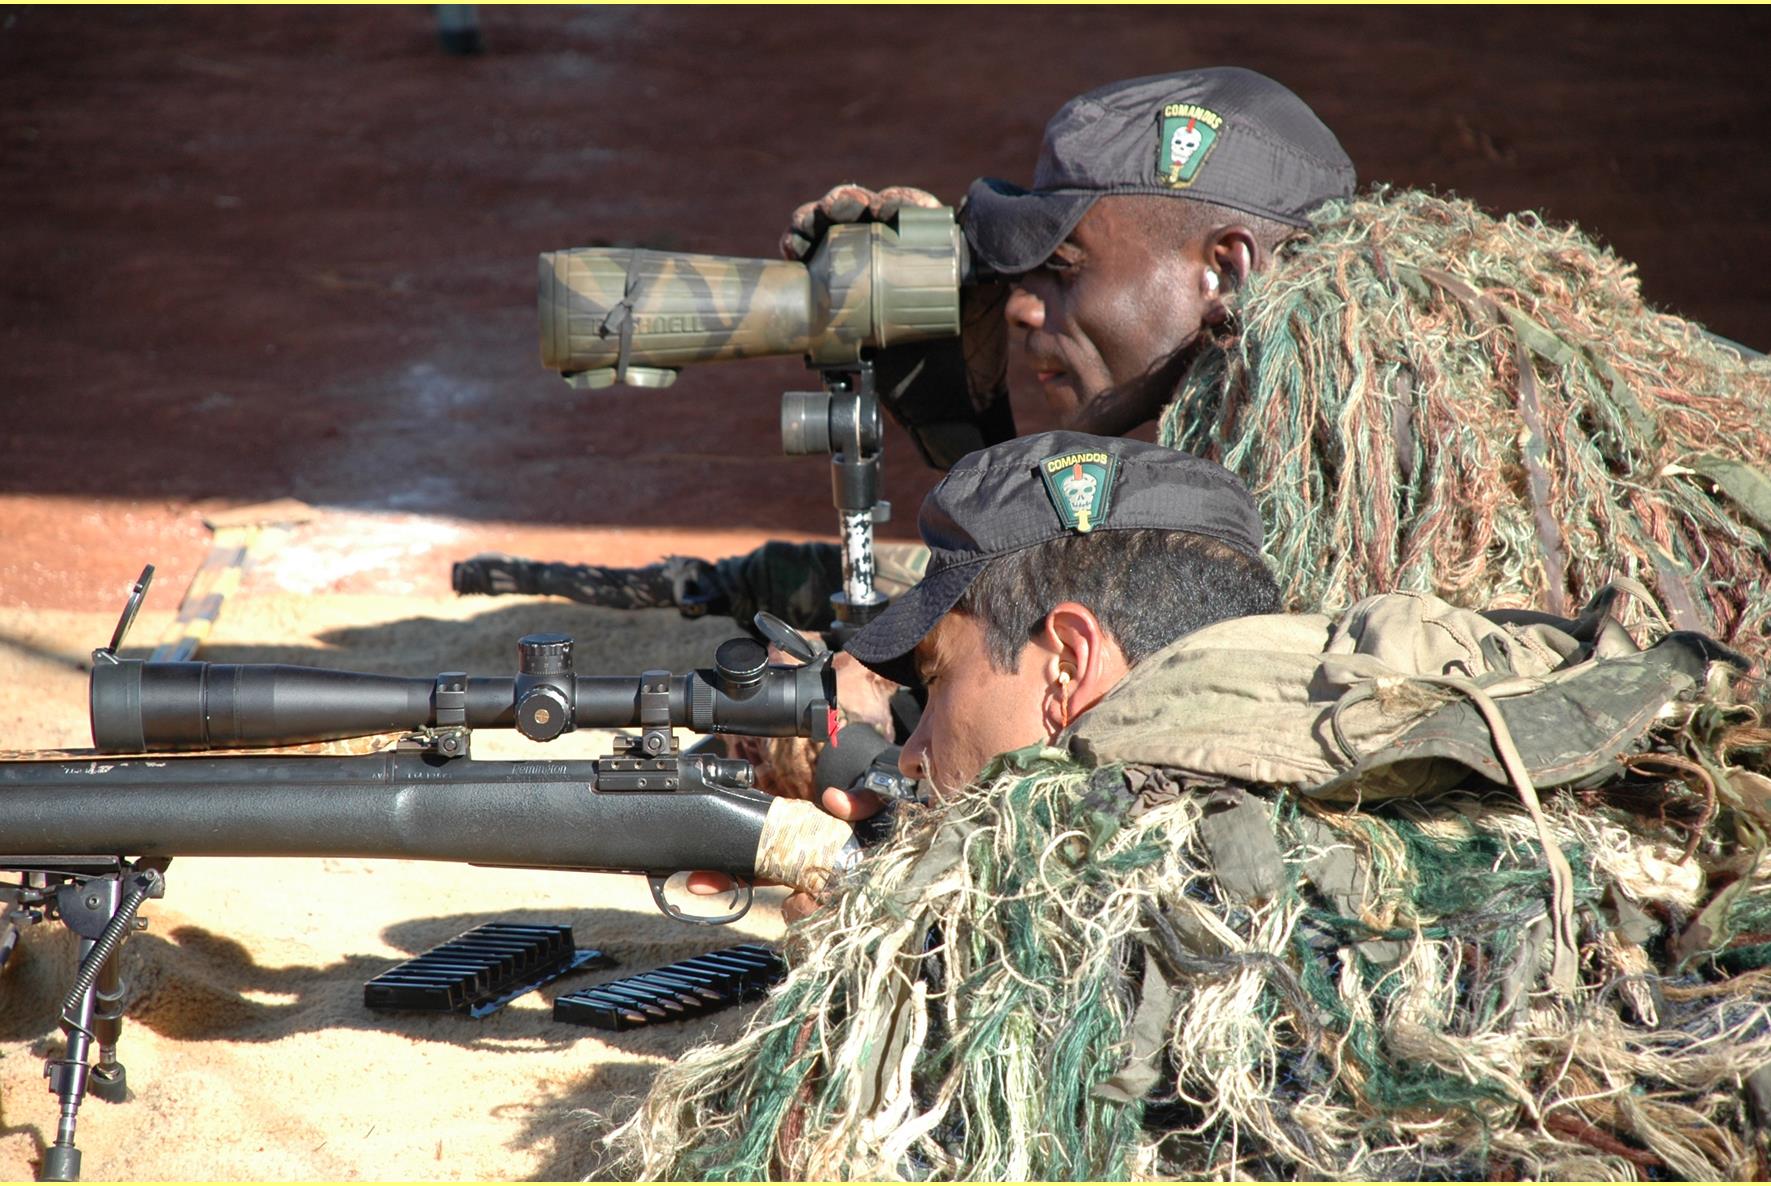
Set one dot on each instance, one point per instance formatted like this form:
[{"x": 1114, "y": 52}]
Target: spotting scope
[{"x": 634, "y": 316}]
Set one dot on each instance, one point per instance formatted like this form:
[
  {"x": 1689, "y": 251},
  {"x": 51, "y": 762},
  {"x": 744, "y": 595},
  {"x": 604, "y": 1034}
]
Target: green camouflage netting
[
  {"x": 999, "y": 992},
  {"x": 1426, "y": 397}
]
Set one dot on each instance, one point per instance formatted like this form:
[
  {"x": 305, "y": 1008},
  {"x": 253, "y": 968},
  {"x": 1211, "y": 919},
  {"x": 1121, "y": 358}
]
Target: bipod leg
[
  {"x": 109, "y": 1081},
  {"x": 101, "y": 910}
]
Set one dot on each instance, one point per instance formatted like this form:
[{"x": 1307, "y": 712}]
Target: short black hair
[{"x": 1147, "y": 586}]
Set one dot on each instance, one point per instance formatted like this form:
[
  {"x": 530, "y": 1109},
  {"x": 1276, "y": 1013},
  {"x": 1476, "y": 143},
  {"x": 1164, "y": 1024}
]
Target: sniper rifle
[{"x": 90, "y": 834}]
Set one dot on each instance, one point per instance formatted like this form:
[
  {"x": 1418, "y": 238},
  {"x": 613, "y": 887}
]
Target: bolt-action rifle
[{"x": 91, "y": 834}]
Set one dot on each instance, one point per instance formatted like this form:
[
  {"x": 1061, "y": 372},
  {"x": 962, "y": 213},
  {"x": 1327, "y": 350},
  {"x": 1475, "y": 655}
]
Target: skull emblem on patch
[
  {"x": 1187, "y": 134},
  {"x": 1079, "y": 490},
  {"x": 1184, "y": 143},
  {"x": 1080, "y": 485}
]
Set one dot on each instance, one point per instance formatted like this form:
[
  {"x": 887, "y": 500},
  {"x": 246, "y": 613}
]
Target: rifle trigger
[{"x": 656, "y": 882}]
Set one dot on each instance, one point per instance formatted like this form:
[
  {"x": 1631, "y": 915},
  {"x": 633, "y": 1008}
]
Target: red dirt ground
[{"x": 263, "y": 252}]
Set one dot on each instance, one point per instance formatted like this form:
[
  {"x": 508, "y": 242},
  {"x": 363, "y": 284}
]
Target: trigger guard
[{"x": 656, "y": 882}]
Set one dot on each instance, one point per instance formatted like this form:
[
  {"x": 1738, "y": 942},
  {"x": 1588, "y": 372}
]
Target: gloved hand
[
  {"x": 847, "y": 202},
  {"x": 916, "y": 382}
]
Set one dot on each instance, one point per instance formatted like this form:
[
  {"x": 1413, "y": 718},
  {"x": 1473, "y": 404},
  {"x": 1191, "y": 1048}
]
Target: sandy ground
[{"x": 254, "y": 253}]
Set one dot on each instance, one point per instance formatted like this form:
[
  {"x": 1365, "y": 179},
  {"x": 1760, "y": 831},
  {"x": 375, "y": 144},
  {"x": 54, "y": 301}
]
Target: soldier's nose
[
  {"x": 1024, "y": 310},
  {"x": 912, "y": 759}
]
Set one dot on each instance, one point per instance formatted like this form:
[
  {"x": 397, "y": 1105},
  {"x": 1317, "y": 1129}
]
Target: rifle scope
[
  {"x": 141, "y": 706},
  {"x": 633, "y": 316}
]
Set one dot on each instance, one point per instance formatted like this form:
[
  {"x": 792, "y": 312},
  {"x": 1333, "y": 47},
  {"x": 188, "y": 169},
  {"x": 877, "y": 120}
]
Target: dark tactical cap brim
[
  {"x": 1014, "y": 230},
  {"x": 887, "y": 644},
  {"x": 1271, "y": 157},
  {"x": 996, "y": 501}
]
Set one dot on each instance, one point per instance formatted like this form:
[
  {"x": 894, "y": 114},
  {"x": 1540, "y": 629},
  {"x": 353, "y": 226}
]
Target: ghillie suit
[
  {"x": 1181, "y": 947},
  {"x": 1425, "y": 397}
]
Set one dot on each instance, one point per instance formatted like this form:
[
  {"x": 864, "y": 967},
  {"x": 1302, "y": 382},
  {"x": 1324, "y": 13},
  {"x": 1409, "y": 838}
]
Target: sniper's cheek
[{"x": 954, "y": 741}]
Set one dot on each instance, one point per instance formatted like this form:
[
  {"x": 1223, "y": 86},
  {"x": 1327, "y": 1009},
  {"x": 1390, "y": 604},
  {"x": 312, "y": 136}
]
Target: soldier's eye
[{"x": 1063, "y": 261}]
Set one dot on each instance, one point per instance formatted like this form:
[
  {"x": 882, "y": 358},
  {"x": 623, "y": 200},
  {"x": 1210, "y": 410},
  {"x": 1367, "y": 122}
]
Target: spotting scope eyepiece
[
  {"x": 620, "y": 315},
  {"x": 141, "y": 706}
]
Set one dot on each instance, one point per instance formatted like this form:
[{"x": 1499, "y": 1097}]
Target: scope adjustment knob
[
  {"x": 544, "y": 654},
  {"x": 741, "y": 663},
  {"x": 543, "y": 714}
]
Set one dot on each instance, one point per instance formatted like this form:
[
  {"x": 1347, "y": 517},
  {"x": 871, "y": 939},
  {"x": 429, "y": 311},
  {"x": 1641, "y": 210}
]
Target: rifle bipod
[{"x": 97, "y": 899}]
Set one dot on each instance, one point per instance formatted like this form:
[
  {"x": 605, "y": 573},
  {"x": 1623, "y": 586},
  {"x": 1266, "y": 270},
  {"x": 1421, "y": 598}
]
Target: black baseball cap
[
  {"x": 1032, "y": 489},
  {"x": 1224, "y": 135}
]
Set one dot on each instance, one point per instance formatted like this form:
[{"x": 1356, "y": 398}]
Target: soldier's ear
[
  {"x": 1074, "y": 644},
  {"x": 1235, "y": 253},
  {"x": 1232, "y": 253}
]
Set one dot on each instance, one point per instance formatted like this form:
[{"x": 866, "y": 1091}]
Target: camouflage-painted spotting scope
[{"x": 629, "y": 315}]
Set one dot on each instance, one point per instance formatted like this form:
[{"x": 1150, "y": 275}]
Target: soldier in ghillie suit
[
  {"x": 1407, "y": 892},
  {"x": 1425, "y": 397},
  {"x": 1422, "y": 396}
]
